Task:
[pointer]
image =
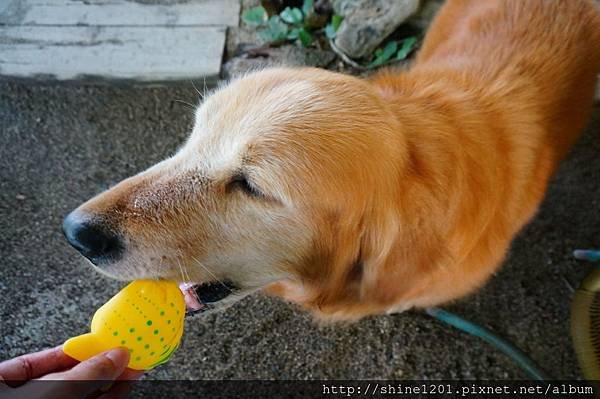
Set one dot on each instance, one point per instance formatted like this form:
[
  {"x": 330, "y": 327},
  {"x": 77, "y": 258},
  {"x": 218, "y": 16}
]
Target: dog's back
[
  {"x": 538, "y": 56},
  {"x": 498, "y": 94}
]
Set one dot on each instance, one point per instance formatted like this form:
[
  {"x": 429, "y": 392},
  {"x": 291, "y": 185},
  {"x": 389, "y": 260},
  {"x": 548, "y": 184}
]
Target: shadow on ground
[{"x": 63, "y": 144}]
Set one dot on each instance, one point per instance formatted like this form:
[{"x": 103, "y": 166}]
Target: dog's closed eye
[{"x": 241, "y": 182}]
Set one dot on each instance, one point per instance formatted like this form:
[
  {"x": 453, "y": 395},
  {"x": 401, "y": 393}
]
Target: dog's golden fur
[{"x": 403, "y": 190}]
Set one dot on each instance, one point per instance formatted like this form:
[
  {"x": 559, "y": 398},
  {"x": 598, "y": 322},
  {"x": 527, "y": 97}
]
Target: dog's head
[{"x": 289, "y": 180}]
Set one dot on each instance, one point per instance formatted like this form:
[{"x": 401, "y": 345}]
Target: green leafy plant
[
  {"x": 256, "y": 16},
  {"x": 393, "y": 51},
  {"x": 307, "y": 5},
  {"x": 292, "y": 16},
  {"x": 407, "y": 47},
  {"x": 290, "y": 24},
  {"x": 332, "y": 27},
  {"x": 275, "y": 30}
]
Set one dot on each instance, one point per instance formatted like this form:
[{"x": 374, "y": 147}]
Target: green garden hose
[
  {"x": 532, "y": 370},
  {"x": 585, "y": 327}
]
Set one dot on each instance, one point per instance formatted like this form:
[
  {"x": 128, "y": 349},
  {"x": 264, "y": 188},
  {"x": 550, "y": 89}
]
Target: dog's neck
[{"x": 452, "y": 195}]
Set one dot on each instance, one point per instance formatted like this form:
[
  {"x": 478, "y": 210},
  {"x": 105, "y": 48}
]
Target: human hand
[{"x": 69, "y": 378}]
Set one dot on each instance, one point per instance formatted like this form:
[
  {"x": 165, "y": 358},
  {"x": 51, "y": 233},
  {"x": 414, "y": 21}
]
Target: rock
[
  {"x": 288, "y": 55},
  {"x": 368, "y": 22}
]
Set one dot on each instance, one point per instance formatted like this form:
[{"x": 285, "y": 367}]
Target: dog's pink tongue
[{"x": 191, "y": 301}]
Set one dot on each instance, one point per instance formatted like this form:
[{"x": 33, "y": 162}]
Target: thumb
[{"x": 94, "y": 373}]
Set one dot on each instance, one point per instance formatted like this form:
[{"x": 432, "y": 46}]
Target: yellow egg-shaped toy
[{"x": 145, "y": 317}]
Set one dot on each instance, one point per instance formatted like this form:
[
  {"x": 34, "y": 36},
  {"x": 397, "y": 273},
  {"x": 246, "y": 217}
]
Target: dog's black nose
[{"x": 91, "y": 238}]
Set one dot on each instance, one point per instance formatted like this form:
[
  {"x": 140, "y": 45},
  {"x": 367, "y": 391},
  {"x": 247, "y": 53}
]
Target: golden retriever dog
[{"x": 355, "y": 197}]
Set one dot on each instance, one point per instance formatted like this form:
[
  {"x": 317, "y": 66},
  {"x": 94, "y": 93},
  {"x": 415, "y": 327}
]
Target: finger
[
  {"x": 93, "y": 373},
  {"x": 34, "y": 365},
  {"x": 106, "y": 366}
]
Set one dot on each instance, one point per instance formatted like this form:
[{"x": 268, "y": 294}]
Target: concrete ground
[{"x": 63, "y": 144}]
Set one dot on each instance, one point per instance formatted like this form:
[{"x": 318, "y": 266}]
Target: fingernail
[{"x": 119, "y": 356}]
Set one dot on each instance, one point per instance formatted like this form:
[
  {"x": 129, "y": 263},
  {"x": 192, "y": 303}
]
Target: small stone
[{"x": 368, "y": 22}]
